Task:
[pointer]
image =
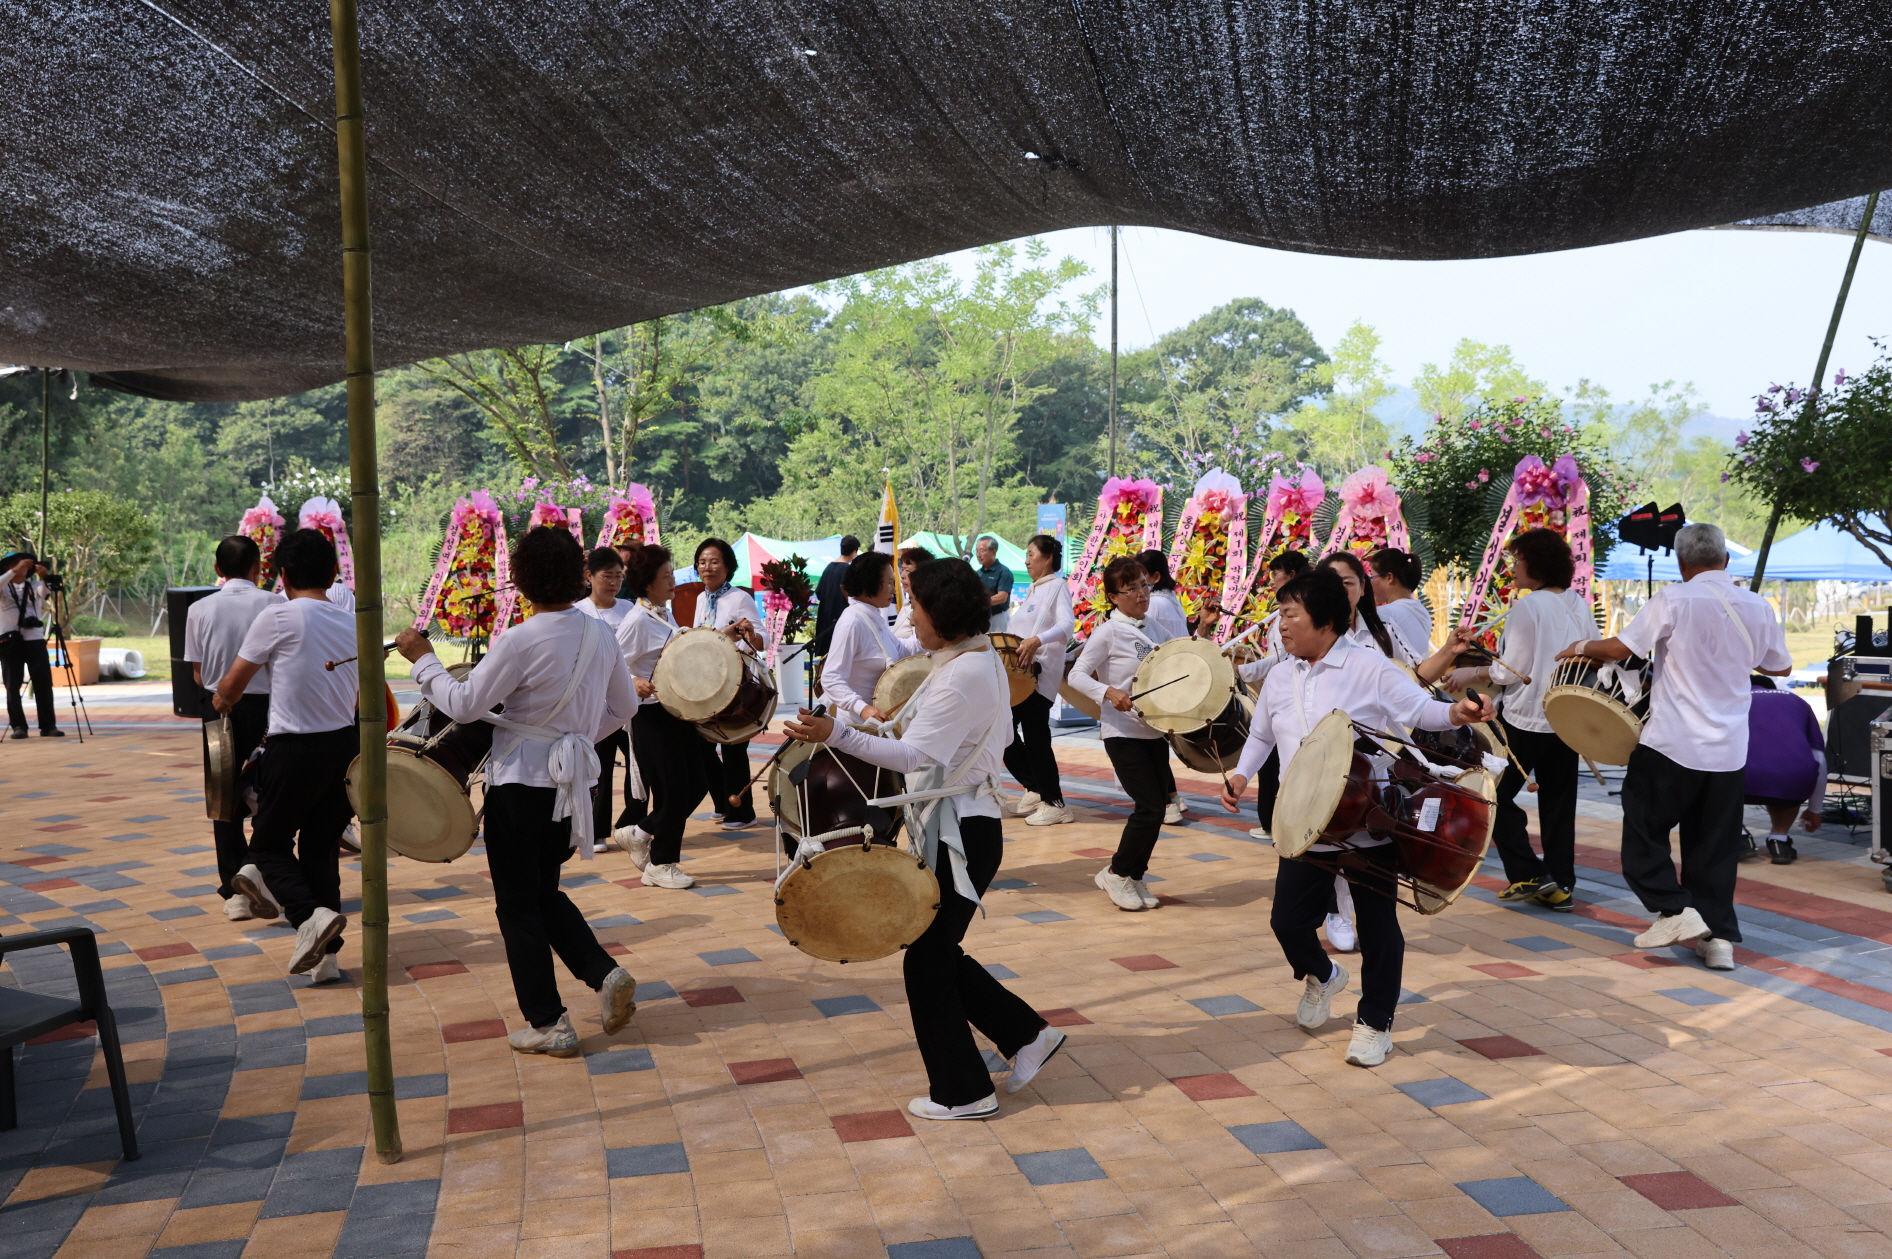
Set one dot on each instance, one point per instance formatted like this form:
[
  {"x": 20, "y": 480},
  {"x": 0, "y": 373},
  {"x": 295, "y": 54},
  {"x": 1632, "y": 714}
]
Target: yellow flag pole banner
[
  {"x": 1289, "y": 527},
  {"x": 887, "y": 536},
  {"x": 1129, "y": 521}
]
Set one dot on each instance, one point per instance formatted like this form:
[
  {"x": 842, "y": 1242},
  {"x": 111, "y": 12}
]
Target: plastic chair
[{"x": 25, "y": 1015}]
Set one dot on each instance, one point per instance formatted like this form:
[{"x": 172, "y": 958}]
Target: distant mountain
[{"x": 1401, "y": 413}]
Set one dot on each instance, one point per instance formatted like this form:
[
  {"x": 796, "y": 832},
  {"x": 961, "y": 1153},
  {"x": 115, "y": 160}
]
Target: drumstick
[
  {"x": 332, "y": 665},
  {"x": 1599, "y": 773},
  {"x": 821, "y": 710},
  {"x": 1159, "y": 686}
]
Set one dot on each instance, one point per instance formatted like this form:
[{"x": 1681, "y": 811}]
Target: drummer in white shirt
[
  {"x": 308, "y": 646},
  {"x": 1105, "y": 673},
  {"x": 1328, "y": 672},
  {"x": 1165, "y": 622},
  {"x": 604, "y": 575},
  {"x": 1366, "y": 628},
  {"x": 1706, "y": 637},
  {"x": 733, "y": 610},
  {"x": 910, "y": 558},
  {"x": 1537, "y": 626},
  {"x": 214, "y": 630},
  {"x": 674, "y": 770},
  {"x": 862, "y": 646},
  {"x": 950, "y": 733},
  {"x": 1395, "y": 575},
  {"x": 563, "y": 685},
  {"x": 1044, "y": 622}
]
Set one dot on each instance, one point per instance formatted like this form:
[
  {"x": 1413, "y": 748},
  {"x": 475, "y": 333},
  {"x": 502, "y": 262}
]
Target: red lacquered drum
[
  {"x": 1440, "y": 826},
  {"x": 705, "y": 679},
  {"x": 814, "y": 789}
]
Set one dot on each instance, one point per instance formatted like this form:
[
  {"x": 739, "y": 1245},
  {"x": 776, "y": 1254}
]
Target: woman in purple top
[{"x": 1786, "y": 763}]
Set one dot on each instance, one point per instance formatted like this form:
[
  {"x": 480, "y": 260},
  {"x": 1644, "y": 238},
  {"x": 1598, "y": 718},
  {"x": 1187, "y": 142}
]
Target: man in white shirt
[
  {"x": 1706, "y": 636},
  {"x": 23, "y": 613},
  {"x": 214, "y": 632},
  {"x": 564, "y": 687},
  {"x": 1327, "y": 672},
  {"x": 1045, "y": 623},
  {"x": 604, "y": 573},
  {"x": 308, "y": 646}
]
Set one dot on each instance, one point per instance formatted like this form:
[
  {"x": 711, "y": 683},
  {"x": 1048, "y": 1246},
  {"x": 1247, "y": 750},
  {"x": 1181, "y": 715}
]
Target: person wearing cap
[{"x": 23, "y": 642}]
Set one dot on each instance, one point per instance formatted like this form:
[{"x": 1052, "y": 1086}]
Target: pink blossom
[
  {"x": 1773, "y": 389},
  {"x": 1544, "y": 432},
  {"x": 1839, "y": 377},
  {"x": 1483, "y": 475},
  {"x": 1504, "y": 437},
  {"x": 1471, "y": 485},
  {"x": 1425, "y": 457},
  {"x": 1741, "y": 438},
  {"x": 1809, "y": 465},
  {"x": 1477, "y": 424}
]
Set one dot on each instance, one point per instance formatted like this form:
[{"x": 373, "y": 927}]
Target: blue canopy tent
[
  {"x": 1824, "y": 552},
  {"x": 1627, "y": 563}
]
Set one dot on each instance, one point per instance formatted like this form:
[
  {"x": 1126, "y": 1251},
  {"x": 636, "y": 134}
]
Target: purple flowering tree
[{"x": 1826, "y": 454}]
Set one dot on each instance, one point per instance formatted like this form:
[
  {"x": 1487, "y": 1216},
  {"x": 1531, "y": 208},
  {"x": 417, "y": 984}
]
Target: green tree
[
  {"x": 1825, "y": 454},
  {"x": 1477, "y": 373},
  {"x": 99, "y": 541},
  {"x": 1343, "y": 430}
]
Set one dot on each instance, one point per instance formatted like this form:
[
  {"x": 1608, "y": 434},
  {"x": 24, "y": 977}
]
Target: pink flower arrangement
[
  {"x": 1301, "y": 495},
  {"x": 630, "y": 519},
  {"x": 1368, "y": 493},
  {"x": 1810, "y": 465}
]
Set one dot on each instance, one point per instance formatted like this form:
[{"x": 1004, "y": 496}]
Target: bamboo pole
[
  {"x": 372, "y": 789},
  {"x": 1819, "y": 372}
]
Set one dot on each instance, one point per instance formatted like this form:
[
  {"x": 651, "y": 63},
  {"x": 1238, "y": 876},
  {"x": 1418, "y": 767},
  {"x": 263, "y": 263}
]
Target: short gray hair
[
  {"x": 986, "y": 539},
  {"x": 1701, "y": 545}
]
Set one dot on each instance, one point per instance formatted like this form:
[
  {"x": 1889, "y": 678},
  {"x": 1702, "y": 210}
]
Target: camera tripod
[{"x": 56, "y": 588}]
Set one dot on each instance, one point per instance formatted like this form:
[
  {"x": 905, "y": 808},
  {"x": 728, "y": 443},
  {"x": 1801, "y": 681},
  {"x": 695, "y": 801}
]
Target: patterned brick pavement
[{"x": 1554, "y": 1091}]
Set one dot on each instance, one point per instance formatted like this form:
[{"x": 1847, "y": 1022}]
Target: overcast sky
[{"x": 1731, "y": 311}]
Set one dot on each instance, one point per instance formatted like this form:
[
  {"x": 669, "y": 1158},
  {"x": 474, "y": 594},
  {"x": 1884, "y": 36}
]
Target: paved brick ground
[{"x": 1553, "y": 1092}]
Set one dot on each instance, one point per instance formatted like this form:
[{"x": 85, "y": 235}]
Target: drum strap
[
  {"x": 572, "y": 761},
  {"x": 1727, "y": 606}
]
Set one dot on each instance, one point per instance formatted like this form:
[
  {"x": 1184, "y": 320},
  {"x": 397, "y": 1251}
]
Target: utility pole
[
  {"x": 45, "y": 451},
  {"x": 1113, "y": 351},
  {"x": 1819, "y": 374}
]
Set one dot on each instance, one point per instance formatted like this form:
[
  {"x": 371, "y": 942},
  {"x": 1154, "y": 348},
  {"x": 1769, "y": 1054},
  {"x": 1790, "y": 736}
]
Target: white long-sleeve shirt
[
  {"x": 1046, "y": 614},
  {"x": 859, "y": 652},
  {"x": 1699, "y": 701},
  {"x": 1110, "y": 658},
  {"x": 1165, "y": 619},
  {"x": 732, "y": 604},
  {"x": 1255, "y": 672},
  {"x": 527, "y": 670},
  {"x": 1361, "y": 636},
  {"x": 1538, "y": 626},
  {"x": 1408, "y": 619},
  {"x": 19, "y": 600},
  {"x": 1359, "y": 681},
  {"x": 953, "y": 717},
  {"x": 642, "y": 636}
]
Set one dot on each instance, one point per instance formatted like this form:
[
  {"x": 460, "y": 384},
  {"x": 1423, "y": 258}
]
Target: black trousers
[
  {"x": 1302, "y": 894},
  {"x": 525, "y": 850},
  {"x": 19, "y": 662},
  {"x": 949, "y": 993},
  {"x": 1141, "y": 766},
  {"x": 726, "y": 771},
  {"x": 249, "y": 721},
  {"x": 1660, "y": 795},
  {"x": 301, "y": 811},
  {"x": 616, "y": 744},
  {"x": 1268, "y": 789},
  {"x": 1555, "y": 766},
  {"x": 1028, "y": 757},
  {"x": 670, "y": 756}
]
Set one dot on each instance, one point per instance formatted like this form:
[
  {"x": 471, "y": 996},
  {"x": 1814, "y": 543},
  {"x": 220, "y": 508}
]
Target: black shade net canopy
[{"x": 541, "y": 170}]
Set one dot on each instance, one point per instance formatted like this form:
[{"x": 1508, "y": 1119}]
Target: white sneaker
[
  {"x": 1048, "y": 814},
  {"x": 667, "y": 876},
  {"x": 1032, "y": 1058},
  {"x": 327, "y": 971},
  {"x": 740, "y": 826},
  {"x": 312, "y": 939},
  {"x": 237, "y": 908},
  {"x": 559, "y": 1040},
  {"x": 1675, "y": 929},
  {"x": 1317, "y": 999},
  {"x": 1143, "y": 891},
  {"x": 1715, "y": 954},
  {"x": 1369, "y": 1046},
  {"x": 1340, "y": 933},
  {"x": 927, "y": 1108},
  {"x": 1173, "y": 812},
  {"x": 617, "y": 1000},
  {"x": 1026, "y": 803},
  {"x": 635, "y": 841},
  {"x": 250, "y": 886},
  {"x": 1123, "y": 892},
  {"x": 1261, "y": 833}
]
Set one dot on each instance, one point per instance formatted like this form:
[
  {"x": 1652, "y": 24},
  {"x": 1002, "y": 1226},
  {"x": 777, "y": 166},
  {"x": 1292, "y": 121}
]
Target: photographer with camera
[{"x": 23, "y": 619}]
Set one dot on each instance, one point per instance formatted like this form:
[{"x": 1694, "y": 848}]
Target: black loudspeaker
[{"x": 187, "y": 698}]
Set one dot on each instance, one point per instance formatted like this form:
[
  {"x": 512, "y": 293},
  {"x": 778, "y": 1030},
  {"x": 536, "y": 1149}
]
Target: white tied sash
[{"x": 572, "y": 761}]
